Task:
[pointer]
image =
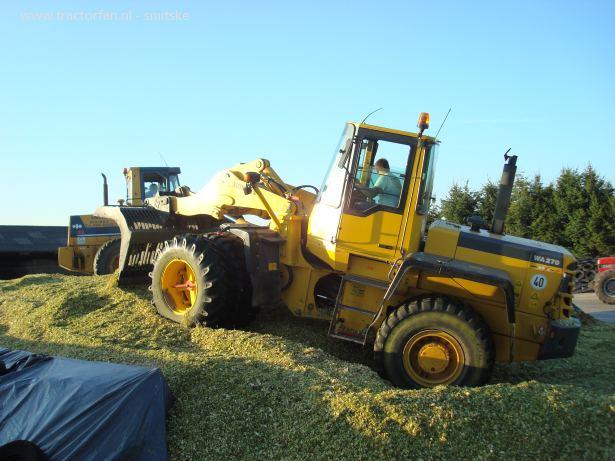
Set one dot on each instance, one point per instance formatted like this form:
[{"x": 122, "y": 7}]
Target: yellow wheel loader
[
  {"x": 438, "y": 306},
  {"x": 93, "y": 245}
]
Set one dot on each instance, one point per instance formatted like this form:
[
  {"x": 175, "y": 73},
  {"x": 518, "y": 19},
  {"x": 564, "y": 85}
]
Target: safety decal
[{"x": 539, "y": 282}]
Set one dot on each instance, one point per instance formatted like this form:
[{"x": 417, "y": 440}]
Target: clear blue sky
[{"x": 238, "y": 80}]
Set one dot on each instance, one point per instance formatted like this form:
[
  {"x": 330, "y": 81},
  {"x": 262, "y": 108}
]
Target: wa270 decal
[{"x": 549, "y": 261}]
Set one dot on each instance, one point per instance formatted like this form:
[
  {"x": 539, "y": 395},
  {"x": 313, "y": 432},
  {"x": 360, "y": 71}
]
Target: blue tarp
[{"x": 79, "y": 410}]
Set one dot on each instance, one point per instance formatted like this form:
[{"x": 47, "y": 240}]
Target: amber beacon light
[{"x": 423, "y": 122}]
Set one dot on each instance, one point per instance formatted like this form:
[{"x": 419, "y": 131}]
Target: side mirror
[{"x": 345, "y": 151}]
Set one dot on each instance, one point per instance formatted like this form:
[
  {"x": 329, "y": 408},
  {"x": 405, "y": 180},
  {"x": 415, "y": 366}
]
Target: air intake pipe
[
  {"x": 105, "y": 190},
  {"x": 504, "y": 192}
]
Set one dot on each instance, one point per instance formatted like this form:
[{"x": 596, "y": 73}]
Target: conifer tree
[{"x": 459, "y": 204}]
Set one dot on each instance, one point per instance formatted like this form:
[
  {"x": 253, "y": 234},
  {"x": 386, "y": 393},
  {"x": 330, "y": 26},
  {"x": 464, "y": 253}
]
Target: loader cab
[
  {"x": 145, "y": 182},
  {"x": 375, "y": 197}
]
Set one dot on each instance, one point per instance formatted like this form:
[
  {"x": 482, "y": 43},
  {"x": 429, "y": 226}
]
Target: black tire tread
[
  {"x": 436, "y": 304},
  {"x": 230, "y": 249},
  {"x": 101, "y": 258},
  {"x": 219, "y": 257}
]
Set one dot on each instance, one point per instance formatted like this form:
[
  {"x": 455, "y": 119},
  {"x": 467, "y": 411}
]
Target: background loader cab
[
  {"x": 93, "y": 242},
  {"x": 145, "y": 182}
]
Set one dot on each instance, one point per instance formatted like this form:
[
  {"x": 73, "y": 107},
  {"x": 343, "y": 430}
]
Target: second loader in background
[{"x": 93, "y": 245}]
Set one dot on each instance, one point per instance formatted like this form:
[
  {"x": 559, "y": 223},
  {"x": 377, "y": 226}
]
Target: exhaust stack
[
  {"x": 105, "y": 190},
  {"x": 503, "y": 200}
]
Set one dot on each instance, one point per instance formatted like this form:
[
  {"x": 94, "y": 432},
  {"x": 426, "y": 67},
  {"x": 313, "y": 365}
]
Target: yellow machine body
[{"x": 351, "y": 260}]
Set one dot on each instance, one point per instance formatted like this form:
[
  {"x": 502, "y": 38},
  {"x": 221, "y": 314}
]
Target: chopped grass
[{"x": 283, "y": 390}]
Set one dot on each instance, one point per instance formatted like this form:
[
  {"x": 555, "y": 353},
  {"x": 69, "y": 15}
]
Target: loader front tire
[
  {"x": 434, "y": 341},
  {"x": 201, "y": 279},
  {"x": 107, "y": 258}
]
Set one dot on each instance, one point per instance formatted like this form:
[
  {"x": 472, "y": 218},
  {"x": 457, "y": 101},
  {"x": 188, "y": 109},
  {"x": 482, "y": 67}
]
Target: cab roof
[
  {"x": 391, "y": 130},
  {"x": 158, "y": 169}
]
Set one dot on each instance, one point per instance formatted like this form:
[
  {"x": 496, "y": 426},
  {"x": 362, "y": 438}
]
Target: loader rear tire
[
  {"x": 202, "y": 279},
  {"x": 107, "y": 258},
  {"x": 232, "y": 250},
  {"x": 434, "y": 341},
  {"x": 604, "y": 286}
]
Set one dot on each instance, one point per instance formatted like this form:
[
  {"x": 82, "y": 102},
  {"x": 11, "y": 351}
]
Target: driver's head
[{"x": 382, "y": 165}]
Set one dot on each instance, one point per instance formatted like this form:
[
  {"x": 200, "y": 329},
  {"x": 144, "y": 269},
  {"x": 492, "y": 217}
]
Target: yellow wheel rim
[
  {"x": 433, "y": 357},
  {"x": 179, "y": 285}
]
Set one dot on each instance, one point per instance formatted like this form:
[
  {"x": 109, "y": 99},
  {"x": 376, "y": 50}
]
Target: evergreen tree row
[{"x": 576, "y": 211}]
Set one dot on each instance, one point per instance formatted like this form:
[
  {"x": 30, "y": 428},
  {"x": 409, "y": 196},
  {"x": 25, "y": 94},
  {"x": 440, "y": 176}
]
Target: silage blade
[{"x": 143, "y": 230}]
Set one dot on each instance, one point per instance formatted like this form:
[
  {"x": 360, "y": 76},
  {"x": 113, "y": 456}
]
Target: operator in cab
[
  {"x": 152, "y": 190},
  {"x": 386, "y": 189}
]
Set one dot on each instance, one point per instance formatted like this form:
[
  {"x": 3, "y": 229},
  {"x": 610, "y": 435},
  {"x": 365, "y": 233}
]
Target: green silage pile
[{"x": 282, "y": 390}]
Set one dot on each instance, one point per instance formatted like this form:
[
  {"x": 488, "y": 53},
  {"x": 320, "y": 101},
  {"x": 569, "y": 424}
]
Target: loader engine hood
[
  {"x": 540, "y": 273},
  {"x": 460, "y": 242}
]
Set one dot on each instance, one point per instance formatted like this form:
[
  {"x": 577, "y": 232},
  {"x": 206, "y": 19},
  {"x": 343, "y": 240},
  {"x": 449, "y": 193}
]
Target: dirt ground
[{"x": 590, "y": 303}]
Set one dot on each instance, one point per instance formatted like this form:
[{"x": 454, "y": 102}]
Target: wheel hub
[
  {"x": 179, "y": 284},
  {"x": 189, "y": 285},
  {"x": 433, "y": 358}
]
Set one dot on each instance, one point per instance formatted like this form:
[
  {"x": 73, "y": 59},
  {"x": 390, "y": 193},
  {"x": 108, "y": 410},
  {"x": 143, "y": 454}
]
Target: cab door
[
  {"x": 373, "y": 214},
  {"x": 323, "y": 225}
]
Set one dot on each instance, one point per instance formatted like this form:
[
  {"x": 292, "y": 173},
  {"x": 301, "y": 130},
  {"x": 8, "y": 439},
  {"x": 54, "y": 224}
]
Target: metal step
[
  {"x": 358, "y": 339},
  {"x": 366, "y": 281},
  {"x": 352, "y": 339}
]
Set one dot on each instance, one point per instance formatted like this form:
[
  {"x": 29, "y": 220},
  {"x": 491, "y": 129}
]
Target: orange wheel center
[{"x": 189, "y": 285}]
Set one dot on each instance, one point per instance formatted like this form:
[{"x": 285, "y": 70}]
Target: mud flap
[{"x": 262, "y": 252}]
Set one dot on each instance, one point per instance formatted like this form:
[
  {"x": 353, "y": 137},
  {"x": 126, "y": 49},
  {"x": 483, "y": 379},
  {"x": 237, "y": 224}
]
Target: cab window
[
  {"x": 380, "y": 175},
  {"x": 332, "y": 188},
  {"x": 153, "y": 183},
  {"x": 173, "y": 182}
]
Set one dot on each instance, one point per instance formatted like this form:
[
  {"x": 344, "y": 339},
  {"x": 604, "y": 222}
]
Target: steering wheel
[
  {"x": 359, "y": 197},
  {"x": 364, "y": 192}
]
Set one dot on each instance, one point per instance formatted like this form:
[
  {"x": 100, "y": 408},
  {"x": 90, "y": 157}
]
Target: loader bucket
[{"x": 143, "y": 231}]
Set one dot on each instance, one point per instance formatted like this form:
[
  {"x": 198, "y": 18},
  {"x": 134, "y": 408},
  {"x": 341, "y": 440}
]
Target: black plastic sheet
[{"x": 80, "y": 410}]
